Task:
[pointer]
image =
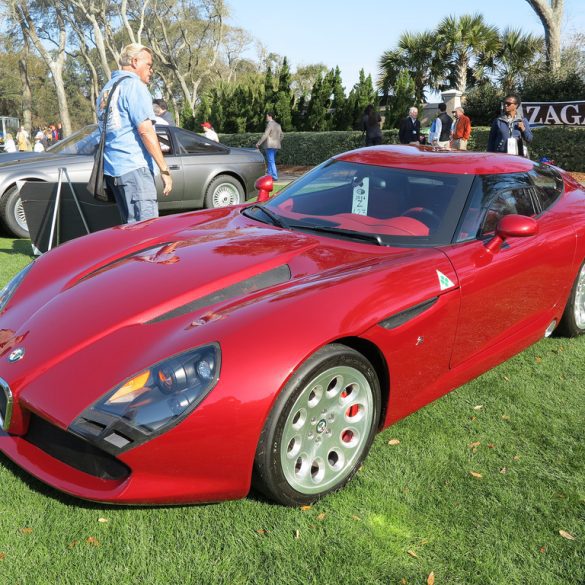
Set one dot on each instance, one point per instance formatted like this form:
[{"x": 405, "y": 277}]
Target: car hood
[
  {"x": 132, "y": 302},
  {"x": 10, "y": 160}
]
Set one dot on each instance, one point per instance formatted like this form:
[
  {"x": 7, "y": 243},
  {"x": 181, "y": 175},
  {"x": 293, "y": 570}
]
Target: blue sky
[{"x": 354, "y": 35}]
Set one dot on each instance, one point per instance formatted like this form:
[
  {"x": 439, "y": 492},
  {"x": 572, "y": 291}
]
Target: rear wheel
[
  {"x": 223, "y": 191},
  {"x": 573, "y": 320},
  {"x": 320, "y": 428},
  {"x": 12, "y": 213}
]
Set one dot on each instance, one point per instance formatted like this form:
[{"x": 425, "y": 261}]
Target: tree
[
  {"x": 51, "y": 18},
  {"x": 282, "y": 99},
  {"x": 518, "y": 54},
  {"x": 419, "y": 56},
  {"x": 186, "y": 38},
  {"x": 551, "y": 15},
  {"x": 268, "y": 90},
  {"x": 362, "y": 94},
  {"x": 317, "y": 107},
  {"x": 403, "y": 98},
  {"x": 338, "y": 102},
  {"x": 465, "y": 42},
  {"x": 304, "y": 78}
]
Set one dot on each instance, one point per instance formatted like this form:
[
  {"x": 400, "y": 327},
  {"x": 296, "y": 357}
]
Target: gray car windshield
[
  {"x": 402, "y": 207},
  {"x": 83, "y": 141}
]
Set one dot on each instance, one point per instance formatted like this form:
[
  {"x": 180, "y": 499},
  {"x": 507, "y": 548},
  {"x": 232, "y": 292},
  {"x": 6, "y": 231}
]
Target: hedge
[{"x": 565, "y": 145}]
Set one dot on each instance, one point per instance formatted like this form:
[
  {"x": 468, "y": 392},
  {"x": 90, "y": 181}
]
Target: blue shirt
[{"x": 130, "y": 106}]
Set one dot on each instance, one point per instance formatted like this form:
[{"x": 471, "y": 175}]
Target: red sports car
[{"x": 187, "y": 358}]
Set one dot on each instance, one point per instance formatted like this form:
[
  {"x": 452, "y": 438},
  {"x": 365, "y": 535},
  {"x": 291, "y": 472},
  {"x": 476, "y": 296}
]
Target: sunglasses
[{"x": 509, "y": 103}]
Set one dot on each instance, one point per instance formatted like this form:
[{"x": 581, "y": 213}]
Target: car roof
[{"x": 428, "y": 158}]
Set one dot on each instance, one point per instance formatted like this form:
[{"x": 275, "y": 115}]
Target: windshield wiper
[
  {"x": 272, "y": 216},
  {"x": 371, "y": 238}
]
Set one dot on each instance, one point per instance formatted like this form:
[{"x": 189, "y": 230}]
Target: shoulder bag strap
[{"x": 110, "y": 95}]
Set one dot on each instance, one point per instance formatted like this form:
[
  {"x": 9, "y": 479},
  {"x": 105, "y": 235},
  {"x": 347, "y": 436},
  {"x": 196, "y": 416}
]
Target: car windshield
[
  {"x": 383, "y": 205},
  {"x": 83, "y": 141}
]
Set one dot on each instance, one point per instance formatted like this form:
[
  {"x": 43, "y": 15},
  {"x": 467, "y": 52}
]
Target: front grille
[
  {"x": 5, "y": 404},
  {"x": 74, "y": 451}
]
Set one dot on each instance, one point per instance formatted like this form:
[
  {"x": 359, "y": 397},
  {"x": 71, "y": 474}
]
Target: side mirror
[
  {"x": 512, "y": 226},
  {"x": 264, "y": 185}
]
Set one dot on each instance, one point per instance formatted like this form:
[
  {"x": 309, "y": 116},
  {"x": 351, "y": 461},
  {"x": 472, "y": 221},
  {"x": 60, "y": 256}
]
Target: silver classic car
[{"x": 205, "y": 173}]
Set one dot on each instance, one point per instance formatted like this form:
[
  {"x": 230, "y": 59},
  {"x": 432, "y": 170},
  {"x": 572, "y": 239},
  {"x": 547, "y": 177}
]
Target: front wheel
[
  {"x": 573, "y": 320},
  {"x": 223, "y": 191},
  {"x": 320, "y": 428},
  {"x": 12, "y": 213}
]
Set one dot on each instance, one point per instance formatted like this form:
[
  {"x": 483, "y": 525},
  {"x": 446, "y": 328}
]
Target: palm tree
[
  {"x": 416, "y": 54},
  {"x": 518, "y": 54},
  {"x": 466, "y": 42}
]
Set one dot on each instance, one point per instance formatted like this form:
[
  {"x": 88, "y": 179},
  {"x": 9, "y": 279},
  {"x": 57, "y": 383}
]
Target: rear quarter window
[{"x": 548, "y": 185}]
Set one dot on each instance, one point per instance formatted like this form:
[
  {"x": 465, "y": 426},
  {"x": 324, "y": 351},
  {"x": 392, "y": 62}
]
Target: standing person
[
  {"x": 461, "y": 130},
  {"x": 45, "y": 140},
  {"x": 22, "y": 140},
  {"x": 9, "y": 144},
  {"x": 441, "y": 128},
  {"x": 409, "y": 132},
  {"x": 132, "y": 147},
  {"x": 371, "y": 126},
  {"x": 272, "y": 137},
  {"x": 39, "y": 147},
  {"x": 510, "y": 132},
  {"x": 59, "y": 130},
  {"x": 161, "y": 109},
  {"x": 157, "y": 114},
  {"x": 209, "y": 131}
]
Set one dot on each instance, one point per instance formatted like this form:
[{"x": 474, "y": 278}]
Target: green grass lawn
[{"x": 476, "y": 492}]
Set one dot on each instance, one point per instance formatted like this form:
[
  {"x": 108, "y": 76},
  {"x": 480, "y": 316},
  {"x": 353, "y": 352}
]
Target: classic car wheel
[
  {"x": 12, "y": 213},
  {"x": 573, "y": 320},
  {"x": 320, "y": 428},
  {"x": 223, "y": 191}
]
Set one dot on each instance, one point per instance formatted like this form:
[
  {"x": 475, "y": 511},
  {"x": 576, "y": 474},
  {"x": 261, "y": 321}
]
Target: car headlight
[
  {"x": 7, "y": 292},
  {"x": 151, "y": 402}
]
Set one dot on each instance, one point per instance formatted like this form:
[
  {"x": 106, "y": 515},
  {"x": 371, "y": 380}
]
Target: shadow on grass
[{"x": 19, "y": 247}]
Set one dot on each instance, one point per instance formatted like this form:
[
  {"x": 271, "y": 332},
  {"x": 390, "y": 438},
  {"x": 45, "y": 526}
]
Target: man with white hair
[
  {"x": 132, "y": 148},
  {"x": 461, "y": 130},
  {"x": 409, "y": 132}
]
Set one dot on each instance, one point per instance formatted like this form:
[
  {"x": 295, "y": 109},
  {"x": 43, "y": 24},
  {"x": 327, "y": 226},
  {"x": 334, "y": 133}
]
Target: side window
[
  {"x": 191, "y": 143},
  {"x": 548, "y": 185},
  {"x": 164, "y": 140},
  {"x": 513, "y": 201},
  {"x": 490, "y": 198}
]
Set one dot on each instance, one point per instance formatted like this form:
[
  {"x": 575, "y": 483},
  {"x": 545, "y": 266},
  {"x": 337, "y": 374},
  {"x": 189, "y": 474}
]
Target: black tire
[
  {"x": 572, "y": 322},
  {"x": 12, "y": 213},
  {"x": 223, "y": 191},
  {"x": 320, "y": 429}
]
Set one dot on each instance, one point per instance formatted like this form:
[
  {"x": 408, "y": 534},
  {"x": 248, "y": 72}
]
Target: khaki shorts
[{"x": 460, "y": 144}]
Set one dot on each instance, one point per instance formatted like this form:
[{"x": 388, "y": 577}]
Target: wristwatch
[{"x": 166, "y": 172}]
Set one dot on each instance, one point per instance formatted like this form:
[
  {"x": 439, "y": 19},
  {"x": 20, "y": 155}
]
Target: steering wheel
[{"x": 424, "y": 214}]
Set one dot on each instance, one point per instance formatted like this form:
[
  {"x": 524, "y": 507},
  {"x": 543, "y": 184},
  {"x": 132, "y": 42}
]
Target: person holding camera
[{"x": 510, "y": 132}]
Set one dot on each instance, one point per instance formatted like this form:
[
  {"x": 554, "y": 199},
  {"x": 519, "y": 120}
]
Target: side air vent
[
  {"x": 250, "y": 285},
  {"x": 404, "y": 316},
  {"x": 5, "y": 404}
]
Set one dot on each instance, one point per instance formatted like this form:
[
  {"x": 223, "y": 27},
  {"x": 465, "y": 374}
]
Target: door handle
[{"x": 174, "y": 167}]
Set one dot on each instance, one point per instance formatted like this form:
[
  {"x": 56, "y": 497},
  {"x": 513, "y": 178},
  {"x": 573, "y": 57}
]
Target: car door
[
  {"x": 506, "y": 294},
  {"x": 200, "y": 158},
  {"x": 174, "y": 161}
]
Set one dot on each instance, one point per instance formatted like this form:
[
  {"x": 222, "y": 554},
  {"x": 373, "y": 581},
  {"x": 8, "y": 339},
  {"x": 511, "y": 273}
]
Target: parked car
[
  {"x": 186, "y": 358},
  {"x": 205, "y": 173}
]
